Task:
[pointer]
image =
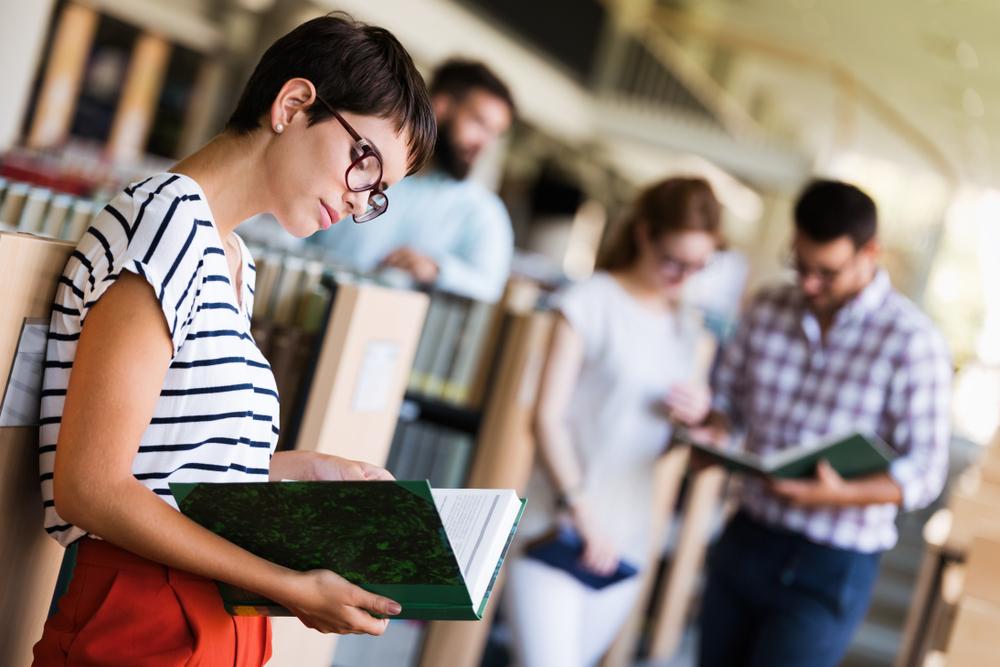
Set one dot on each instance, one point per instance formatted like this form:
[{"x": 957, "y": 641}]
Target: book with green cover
[
  {"x": 437, "y": 552},
  {"x": 853, "y": 455}
]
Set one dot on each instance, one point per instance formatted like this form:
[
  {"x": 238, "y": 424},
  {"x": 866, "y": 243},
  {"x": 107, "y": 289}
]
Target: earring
[{"x": 279, "y": 128}]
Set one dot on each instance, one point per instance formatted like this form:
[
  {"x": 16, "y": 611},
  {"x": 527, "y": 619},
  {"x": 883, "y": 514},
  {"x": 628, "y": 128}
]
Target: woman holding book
[
  {"x": 618, "y": 374},
  {"x": 152, "y": 376}
]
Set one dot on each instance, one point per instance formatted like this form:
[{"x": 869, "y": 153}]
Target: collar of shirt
[{"x": 866, "y": 301}]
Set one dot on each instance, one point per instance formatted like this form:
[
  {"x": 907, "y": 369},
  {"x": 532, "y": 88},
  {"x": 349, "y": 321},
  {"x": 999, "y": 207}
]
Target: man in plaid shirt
[{"x": 838, "y": 352}]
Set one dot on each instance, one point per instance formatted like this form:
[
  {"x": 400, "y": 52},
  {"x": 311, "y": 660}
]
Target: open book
[
  {"x": 852, "y": 455},
  {"x": 436, "y": 552}
]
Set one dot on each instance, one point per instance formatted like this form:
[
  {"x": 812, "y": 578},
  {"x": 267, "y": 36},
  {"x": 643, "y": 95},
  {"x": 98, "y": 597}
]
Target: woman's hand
[
  {"x": 314, "y": 467},
  {"x": 688, "y": 403},
  {"x": 599, "y": 555},
  {"x": 325, "y": 601},
  {"x": 338, "y": 469}
]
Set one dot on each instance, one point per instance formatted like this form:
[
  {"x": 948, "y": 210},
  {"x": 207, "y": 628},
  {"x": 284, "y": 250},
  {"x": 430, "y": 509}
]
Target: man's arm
[
  {"x": 918, "y": 409},
  {"x": 479, "y": 266}
]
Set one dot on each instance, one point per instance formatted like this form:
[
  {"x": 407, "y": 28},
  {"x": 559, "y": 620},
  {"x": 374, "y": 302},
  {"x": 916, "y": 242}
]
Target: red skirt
[{"x": 123, "y": 610}]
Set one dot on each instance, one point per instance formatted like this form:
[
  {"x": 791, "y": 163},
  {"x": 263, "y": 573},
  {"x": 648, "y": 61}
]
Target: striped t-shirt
[{"x": 217, "y": 416}]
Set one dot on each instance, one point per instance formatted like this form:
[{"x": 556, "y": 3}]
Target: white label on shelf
[
  {"x": 371, "y": 391},
  {"x": 24, "y": 386}
]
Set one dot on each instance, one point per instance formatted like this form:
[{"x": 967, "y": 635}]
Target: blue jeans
[{"x": 775, "y": 599}]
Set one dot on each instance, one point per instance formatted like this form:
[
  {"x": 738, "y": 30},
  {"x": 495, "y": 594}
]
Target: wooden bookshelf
[
  {"x": 29, "y": 559},
  {"x": 353, "y": 402},
  {"x": 503, "y": 459}
]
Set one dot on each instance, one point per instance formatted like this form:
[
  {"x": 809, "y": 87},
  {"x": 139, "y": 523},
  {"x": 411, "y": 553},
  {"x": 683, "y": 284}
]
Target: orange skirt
[{"x": 123, "y": 610}]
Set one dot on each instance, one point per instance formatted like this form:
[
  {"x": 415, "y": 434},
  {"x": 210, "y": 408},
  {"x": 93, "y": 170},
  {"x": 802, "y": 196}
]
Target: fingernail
[{"x": 395, "y": 608}]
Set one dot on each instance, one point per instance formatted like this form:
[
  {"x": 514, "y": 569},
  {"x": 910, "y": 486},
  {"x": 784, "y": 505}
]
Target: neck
[
  {"x": 227, "y": 169},
  {"x": 639, "y": 287}
]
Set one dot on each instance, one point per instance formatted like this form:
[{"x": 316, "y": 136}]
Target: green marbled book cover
[{"x": 386, "y": 537}]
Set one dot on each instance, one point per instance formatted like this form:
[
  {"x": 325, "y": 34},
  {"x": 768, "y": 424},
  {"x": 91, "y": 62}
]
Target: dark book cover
[{"x": 386, "y": 537}]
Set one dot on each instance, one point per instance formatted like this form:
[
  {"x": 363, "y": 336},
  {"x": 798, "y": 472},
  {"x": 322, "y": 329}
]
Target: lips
[{"x": 328, "y": 216}]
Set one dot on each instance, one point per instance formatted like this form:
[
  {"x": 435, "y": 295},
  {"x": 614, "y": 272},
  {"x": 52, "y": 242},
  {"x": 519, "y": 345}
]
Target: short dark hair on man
[
  {"x": 355, "y": 67},
  {"x": 827, "y": 210},
  {"x": 457, "y": 77}
]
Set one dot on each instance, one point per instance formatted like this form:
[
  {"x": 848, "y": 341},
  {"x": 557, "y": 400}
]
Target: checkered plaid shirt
[{"x": 882, "y": 369}]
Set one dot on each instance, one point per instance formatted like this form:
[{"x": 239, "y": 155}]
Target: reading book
[
  {"x": 437, "y": 552},
  {"x": 852, "y": 455}
]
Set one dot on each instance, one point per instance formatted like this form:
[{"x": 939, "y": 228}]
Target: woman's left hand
[
  {"x": 688, "y": 403},
  {"x": 335, "y": 468},
  {"x": 313, "y": 466}
]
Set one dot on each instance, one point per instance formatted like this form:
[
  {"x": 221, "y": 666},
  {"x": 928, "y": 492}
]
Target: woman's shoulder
[
  {"x": 599, "y": 285},
  {"x": 166, "y": 209}
]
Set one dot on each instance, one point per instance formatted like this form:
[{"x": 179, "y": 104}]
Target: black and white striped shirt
[{"x": 217, "y": 416}]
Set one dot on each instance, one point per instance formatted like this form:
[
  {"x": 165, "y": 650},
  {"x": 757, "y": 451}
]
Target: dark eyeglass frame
[
  {"x": 827, "y": 277},
  {"x": 678, "y": 267},
  {"x": 378, "y": 201}
]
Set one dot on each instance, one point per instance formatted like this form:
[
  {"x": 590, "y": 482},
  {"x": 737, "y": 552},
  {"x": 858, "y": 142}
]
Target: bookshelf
[
  {"x": 503, "y": 459},
  {"x": 341, "y": 350},
  {"x": 28, "y": 557}
]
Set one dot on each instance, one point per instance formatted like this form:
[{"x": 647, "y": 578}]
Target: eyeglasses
[
  {"x": 678, "y": 268},
  {"x": 825, "y": 275},
  {"x": 365, "y": 171}
]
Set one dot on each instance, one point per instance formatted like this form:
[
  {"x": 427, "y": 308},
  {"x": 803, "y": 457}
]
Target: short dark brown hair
[
  {"x": 355, "y": 67},
  {"x": 456, "y": 77},
  {"x": 827, "y": 210},
  {"x": 681, "y": 204}
]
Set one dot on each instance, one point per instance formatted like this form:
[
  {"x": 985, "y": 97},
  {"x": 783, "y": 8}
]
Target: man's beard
[{"x": 446, "y": 157}]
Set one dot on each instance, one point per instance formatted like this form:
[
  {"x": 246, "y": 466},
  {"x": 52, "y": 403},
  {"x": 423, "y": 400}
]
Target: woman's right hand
[
  {"x": 325, "y": 601},
  {"x": 599, "y": 555}
]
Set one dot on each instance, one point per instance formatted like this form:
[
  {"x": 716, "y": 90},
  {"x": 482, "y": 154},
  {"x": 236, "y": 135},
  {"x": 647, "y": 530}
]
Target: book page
[{"x": 478, "y": 523}]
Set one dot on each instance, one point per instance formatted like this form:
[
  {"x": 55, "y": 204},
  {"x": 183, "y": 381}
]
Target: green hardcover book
[
  {"x": 437, "y": 552},
  {"x": 853, "y": 455}
]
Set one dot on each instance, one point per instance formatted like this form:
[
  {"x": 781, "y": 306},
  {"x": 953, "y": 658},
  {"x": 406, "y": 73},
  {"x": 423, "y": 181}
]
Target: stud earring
[{"x": 279, "y": 128}]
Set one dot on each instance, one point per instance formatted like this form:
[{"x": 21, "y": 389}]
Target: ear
[
  {"x": 290, "y": 103},
  {"x": 871, "y": 250}
]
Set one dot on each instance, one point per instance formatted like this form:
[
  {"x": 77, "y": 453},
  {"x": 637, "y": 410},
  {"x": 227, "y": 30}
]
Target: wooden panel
[
  {"x": 366, "y": 320},
  {"x": 141, "y": 92},
  {"x": 63, "y": 76},
  {"x": 975, "y": 641},
  {"x": 29, "y": 559},
  {"x": 504, "y": 457}
]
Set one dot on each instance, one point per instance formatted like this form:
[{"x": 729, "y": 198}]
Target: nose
[
  {"x": 357, "y": 201},
  {"x": 811, "y": 284}
]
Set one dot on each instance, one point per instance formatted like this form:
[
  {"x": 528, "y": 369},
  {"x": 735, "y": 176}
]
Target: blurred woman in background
[{"x": 618, "y": 374}]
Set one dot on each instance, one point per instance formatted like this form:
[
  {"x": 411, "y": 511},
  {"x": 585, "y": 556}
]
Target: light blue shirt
[{"x": 461, "y": 225}]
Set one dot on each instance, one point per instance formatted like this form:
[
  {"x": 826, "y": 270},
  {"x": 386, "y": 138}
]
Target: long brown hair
[{"x": 681, "y": 204}]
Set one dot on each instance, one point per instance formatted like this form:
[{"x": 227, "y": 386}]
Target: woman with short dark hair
[{"x": 152, "y": 376}]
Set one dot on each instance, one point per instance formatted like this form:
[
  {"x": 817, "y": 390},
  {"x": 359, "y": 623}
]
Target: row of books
[
  {"x": 40, "y": 210},
  {"x": 293, "y": 296},
  {"x": 421, "y": 450},
  {"x": 455, "y": 349}
]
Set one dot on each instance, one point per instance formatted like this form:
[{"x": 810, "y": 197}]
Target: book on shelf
[
  {"x": 445, "y": 347},
  {"x": 437, "y": 552},
  {"x": 470, "y": 348},
  {"x": 427, "y": 345},
  {"x": 851, "y": 455}
]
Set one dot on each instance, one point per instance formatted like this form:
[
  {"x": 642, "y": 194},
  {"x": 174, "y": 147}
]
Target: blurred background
[{"x": 899, "y": 97}]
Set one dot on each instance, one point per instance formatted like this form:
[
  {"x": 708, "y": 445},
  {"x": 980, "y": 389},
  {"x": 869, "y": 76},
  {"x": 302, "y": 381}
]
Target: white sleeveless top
[{"x": 617, "y": 425}]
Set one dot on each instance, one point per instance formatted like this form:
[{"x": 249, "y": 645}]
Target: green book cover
[
  {"x": 853, "y": 455},
  {"x": 435, "y": 551}
]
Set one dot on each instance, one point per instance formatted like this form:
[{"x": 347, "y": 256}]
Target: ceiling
[{"x": 913, "y": 80}]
